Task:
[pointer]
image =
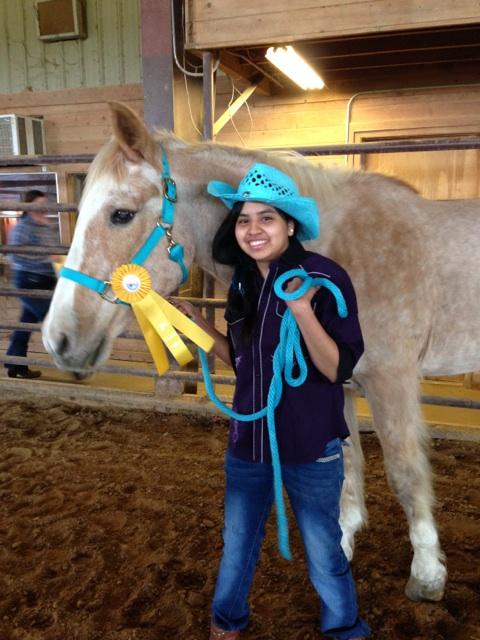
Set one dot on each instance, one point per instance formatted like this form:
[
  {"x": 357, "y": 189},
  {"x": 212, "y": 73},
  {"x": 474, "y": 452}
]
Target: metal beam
[
  {"x": 208, "y": 95},
  {"x": 433, "y": 144}
]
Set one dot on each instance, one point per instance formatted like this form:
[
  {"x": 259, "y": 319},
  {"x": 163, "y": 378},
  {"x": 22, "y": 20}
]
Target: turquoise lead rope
[{"x": 288, "y": 352}]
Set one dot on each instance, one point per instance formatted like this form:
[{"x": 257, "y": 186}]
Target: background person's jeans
[
  {"x": 33, "y": 310},
  {"x": 314, "y": 492}
]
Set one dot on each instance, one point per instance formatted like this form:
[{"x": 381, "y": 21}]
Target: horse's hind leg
[
  {"x": 353, "y": 514},
  {"x": 393, "y": 397}
]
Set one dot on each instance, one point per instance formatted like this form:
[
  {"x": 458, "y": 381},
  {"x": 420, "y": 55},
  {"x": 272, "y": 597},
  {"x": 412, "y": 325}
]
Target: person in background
[{"x": 31, "y": 272}]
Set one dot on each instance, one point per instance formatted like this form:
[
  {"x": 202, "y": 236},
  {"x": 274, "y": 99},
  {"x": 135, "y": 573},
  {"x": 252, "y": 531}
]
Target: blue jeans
[
  {"x": 33, "y": 310},
  {"x": 314, "y": 492}
]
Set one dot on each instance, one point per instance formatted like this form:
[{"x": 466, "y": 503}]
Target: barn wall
[
  {"x": 229, "y": 23},
  {"x": 336, "y": 117},
  {"x": 109, "y": 55},
  {"x": 77, "y": 121}
]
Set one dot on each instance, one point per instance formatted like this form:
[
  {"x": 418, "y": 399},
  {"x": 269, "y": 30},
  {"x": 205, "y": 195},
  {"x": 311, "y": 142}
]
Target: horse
[{"x": 415, "y": 265}]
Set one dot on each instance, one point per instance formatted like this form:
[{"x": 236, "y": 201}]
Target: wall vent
[{"x": 61, "y": 20}]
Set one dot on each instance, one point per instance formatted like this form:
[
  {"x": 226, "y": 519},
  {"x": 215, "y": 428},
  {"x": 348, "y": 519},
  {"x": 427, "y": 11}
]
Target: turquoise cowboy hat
[{"x": 267, "y": 184}]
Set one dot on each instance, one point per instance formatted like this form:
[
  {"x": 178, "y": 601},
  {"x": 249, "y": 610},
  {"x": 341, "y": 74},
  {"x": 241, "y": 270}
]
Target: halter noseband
[{"x": 163, "y": 228}]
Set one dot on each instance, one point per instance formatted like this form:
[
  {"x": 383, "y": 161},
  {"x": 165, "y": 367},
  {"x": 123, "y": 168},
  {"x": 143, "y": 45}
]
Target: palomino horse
[{"x": 415, "y": 265}]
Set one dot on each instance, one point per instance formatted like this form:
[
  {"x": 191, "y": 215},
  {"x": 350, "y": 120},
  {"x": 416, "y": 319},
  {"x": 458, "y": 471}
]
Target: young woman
[{"x": 260, "y": 238}]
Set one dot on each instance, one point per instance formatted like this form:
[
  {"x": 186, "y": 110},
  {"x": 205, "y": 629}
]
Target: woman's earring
[{"x": 290, "y": 231}]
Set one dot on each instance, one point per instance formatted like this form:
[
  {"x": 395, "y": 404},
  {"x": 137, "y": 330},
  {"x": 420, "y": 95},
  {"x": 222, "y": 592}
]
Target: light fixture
[{"x": 295, "y": 67}]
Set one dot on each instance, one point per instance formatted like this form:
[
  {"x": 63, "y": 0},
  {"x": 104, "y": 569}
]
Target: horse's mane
[{"x": 312, "y": 180}]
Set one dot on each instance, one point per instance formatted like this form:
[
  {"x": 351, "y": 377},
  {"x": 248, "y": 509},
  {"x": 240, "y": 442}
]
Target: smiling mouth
[{"x": 257, "y": 244}]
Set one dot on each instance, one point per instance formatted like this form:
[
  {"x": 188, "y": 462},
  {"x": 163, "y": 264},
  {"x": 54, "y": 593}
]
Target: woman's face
[{"x": 262, "y": 233}]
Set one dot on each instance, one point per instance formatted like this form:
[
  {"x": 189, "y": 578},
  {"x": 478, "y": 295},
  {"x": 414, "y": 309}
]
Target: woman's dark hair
[
  {"x": 246, "y": 282},
  {"x": 31, "y": 196}
]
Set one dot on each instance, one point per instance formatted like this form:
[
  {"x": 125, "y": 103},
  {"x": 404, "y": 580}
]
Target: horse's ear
[{"x": 131, "y": 133}]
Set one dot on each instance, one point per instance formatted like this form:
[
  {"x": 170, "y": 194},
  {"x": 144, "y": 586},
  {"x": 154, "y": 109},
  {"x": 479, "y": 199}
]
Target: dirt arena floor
[{"x": 110, "y": 530}]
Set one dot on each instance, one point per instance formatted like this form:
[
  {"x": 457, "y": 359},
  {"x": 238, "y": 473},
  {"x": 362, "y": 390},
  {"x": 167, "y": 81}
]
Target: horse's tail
[{"x": 353, "y": 511}]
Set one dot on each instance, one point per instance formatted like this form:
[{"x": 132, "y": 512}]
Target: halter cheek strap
[{"x": 163, "y": 228}]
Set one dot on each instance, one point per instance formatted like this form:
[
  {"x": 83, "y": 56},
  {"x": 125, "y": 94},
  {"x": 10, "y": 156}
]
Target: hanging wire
[
  {"x": 249, "y": 112},
  {"x": 192, "y": 74},
  {"x": 190, "y": 106},
  {"x": 232, "y": 115}
]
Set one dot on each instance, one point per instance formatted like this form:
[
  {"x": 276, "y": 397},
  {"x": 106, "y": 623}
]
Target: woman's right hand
[
  {"x": 221, "y": 347},
  {"x": 190, "y": 310}
]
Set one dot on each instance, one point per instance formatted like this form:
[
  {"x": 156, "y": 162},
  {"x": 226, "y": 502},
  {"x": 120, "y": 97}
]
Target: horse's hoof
[{"x": 424, "y": 591}]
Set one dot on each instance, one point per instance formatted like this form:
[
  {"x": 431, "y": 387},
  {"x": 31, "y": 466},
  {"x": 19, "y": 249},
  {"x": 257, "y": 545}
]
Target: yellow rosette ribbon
[{"x": 158, "y": 319}]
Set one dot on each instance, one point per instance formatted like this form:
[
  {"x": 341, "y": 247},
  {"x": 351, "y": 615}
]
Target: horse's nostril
[
  {"x": 95, "y": 355},
  {"x": 62, "y": 345}
]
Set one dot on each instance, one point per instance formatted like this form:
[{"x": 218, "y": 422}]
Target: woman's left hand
[{"x": 304, "y": 302}]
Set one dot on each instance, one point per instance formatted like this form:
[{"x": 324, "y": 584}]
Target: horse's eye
[{"x": 121, "y": 216}]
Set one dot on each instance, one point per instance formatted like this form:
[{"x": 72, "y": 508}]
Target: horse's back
[{"x": 415, "y": 265}]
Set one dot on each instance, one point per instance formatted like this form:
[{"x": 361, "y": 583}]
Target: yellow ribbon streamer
[{"x": 157, "y": 318}]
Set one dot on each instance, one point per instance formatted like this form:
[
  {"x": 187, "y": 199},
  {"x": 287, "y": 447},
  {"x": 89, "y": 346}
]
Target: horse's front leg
[
  {"x": 353, "y": 514},
  {"x": 393, "y": 395}
]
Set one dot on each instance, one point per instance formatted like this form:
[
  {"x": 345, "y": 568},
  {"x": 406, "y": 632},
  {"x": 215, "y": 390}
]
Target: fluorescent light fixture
[{"x": 295, "y": 67}]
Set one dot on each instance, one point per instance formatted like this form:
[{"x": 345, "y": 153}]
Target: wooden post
[{"x": 157, "y": 58}]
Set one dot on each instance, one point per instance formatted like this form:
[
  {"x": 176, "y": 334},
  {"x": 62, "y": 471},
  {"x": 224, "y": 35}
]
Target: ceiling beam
[
  {"x": 244, "y": 72},
  {"x": 232, "y": 109}
]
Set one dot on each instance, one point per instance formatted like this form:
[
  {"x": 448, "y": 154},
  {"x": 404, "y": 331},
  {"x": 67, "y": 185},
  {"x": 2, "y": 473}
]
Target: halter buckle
[
  {"x": 104, "y": 293},
  {"x": 169, "y": 184},
  {"x": 168, "y": 234}
]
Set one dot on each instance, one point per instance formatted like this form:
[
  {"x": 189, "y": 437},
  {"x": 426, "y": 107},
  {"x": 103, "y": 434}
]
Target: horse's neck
[{"x": 197, "y": 166}]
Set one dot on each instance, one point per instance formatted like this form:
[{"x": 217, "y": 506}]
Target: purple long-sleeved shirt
[{"x": 312, "y": 414}]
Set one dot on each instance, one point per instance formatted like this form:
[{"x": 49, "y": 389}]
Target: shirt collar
[{"x": 293, "y": 256}]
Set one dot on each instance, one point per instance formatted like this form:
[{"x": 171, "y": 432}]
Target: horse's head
[{"x": 122, "y": 204}]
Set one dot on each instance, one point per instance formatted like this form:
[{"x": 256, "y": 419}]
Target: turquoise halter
[{"x": 163, "y": 228}]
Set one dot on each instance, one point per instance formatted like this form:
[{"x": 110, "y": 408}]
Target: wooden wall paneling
[
  {"x": 450, "y": 107},
  {"x": 296, "y": 122},
  {"x": 438, "y": 175},
  {"x": 110, "y": 42},
  {"x": 92, "y": 52},
  {"x": 4, "y": 68},
  {"x": 55, "y": 66},
  {"x": 109, "y": 55},
  {"x": 132, "y": 65},
  {"x": 73, "y": 63},
  {"x": 17, "y": 54},
  {"x": 34, "y": 49},
  {"x": 226, "y": 23},
  {"x": 58, "y": 99}
]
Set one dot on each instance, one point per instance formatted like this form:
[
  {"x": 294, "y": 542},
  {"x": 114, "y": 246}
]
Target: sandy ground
[{"x": 110, "y": 530}]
